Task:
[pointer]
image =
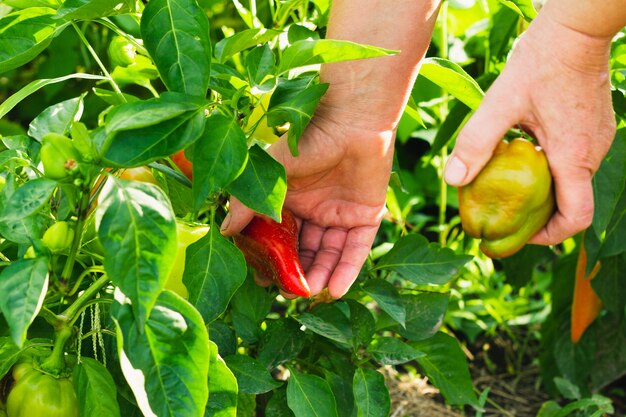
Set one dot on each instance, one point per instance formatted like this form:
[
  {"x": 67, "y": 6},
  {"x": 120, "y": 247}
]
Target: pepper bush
[{"x": 134, "y": 83}]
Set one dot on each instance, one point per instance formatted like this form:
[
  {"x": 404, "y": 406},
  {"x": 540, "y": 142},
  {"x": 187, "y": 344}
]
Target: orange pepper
[{"x": 586, "y": 305}]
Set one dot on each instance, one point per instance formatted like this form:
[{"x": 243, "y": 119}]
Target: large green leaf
[
  {"x": 446, "y": 366},
  {"x": 424, "y": 315},
  {"x": 240, "y": 41},
  {"x": 165, "y": 359},
  {"x": 452, "y": 78},
  {"x": 135, "y": 147},
  {"x": 524, "y": 8},
  {"x": 24, "y": 34},
  {"x": 609, "y": 183},
  {"x": 250, "y": 307},
  {"x": 262, "y": 185},
  {"x": 422, "y": 262},
  {"x": 93, "y": 9},
  {"x": 320, "y": 51},
  {"x": 282, "y": 341},
  {"x": 222, "y": 387},
  {"x": 392, "y": 351},
  {"x": 295, "y": 105},
  {"x": 57, "y": 118},
  {"x": 310, "y": 396},
  {"x": 329, "y": 321},
  {"x": 137, "y": 229},
  {"x": 95, "y": 389},
  {"x": 28, "y": 199},
  {"x": 252, "y": 376},
  {"x": 176, "y": 34},
  {"x": 219, "y": 156},
  {"x": 33, "y": 86},
  {"x": 372, "y": 393},
  {"x": 214, "y": 270},
  {"x": 387, "y": 298},
  {"x": 23, "y": 286}
]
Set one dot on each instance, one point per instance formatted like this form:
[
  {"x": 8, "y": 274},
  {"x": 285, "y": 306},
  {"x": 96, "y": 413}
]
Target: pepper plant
[{"x": 126, "y": 126}]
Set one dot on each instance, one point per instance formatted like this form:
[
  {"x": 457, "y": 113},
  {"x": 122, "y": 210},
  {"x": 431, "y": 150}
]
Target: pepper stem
[{"x": 55, "y": 363}]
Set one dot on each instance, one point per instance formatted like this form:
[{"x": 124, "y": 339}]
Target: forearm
[
  {"x": 599, "y": 18},
  {"x": 374, "y": 91}
]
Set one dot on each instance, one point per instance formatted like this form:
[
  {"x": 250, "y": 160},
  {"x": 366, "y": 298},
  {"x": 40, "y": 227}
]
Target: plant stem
[
  {"x": 106, "y": 73},
  {"x": 73, "y": 311},
  {"x": 443, "y": 187},
  {"x": 83, "y": 207},
  {"x": 55, "y": 363}
]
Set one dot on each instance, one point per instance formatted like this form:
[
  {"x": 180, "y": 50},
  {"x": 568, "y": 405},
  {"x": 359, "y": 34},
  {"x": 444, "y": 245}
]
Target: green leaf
[
  {"x": 24, "y": 34},
  {"x": 33, "y": 86},
  {"x": 135, "y": 147},
  {"x": 151, "y": 112},
  {"x": 243, "y": 40},
  {"x": 282, "y": 341},
  {"x": 450, "y": 127},
  {"x": 524, "y": 8},
  {"x": 373, "y": 396},
  {"x": 260, "y": 63},
  {"x": 164, "y": 359},
  {"x": 519, "y": 268},
  {"x": 222, "y": 387},
  {"x": 424, "y": 315},
  {"x": 214, "y": 270},
  {"x": 25, "y": 4},
  {"x": 252, "y": 376},
  {"x": 9, "y": 354},
  {"x": 615, "y": 237},
  {"x": 504, "y": 28},
  {"x": 363, "y": 324},
  {"x": 28, "y": 199},
  {"x": 262, "y": 185},
  {"x": 421, "y": 262},
  {"x": 310, "y": 396},
  {"x": 289, "y": 103},
  {"x": 250, "y": 306},
  {"x": 57, "y": 118},
  {"x": 140, "y": 73},
  {"x": 137, "y": 229},
  {"x": 95, "y": 389},
  {"x": 219, "y": 156},
  {"x": 392, "y": 351},
  {"x": 93, "y": 9},
  {"x": 23, "y": 287},
  {"x": 452, "y": 78},
  {"x": 321, "y": 51},
  {"x": 609, "y": 183},
  {"x": 176, "y": 34},
  {"x": 446, "y": 367},
  {"x": 387, "y": 298},
  {"x": 329, "y": 321},
  {"x": 277, "y": 404},
  {"x": 609, "y": 283}
]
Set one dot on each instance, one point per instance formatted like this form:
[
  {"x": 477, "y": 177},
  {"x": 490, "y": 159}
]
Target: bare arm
[
  {"x": 337, "y": 186},
  {"x": 555, "y": 84}
]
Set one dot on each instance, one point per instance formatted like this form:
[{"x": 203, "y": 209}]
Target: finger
[
  {"x": 237, "y": 218},
  {"x": 326, "y": 258},
  {"x": 310, "y": 241},
  {"x": 356, "y": 249},
  {"x": 480, "y": 135},
  {"x": 574, "y": 199}
]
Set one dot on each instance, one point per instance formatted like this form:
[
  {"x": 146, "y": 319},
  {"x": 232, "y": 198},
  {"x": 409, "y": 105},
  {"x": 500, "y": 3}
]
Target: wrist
[{"x": 565, "y": 45}]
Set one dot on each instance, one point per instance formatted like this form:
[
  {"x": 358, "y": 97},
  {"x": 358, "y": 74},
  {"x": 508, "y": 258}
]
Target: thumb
[
  {"x": 479, "y": 137},
  {"x": 237, "y": 218}
]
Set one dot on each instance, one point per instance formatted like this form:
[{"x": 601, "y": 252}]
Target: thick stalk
[{"x": 83, "y": 207}]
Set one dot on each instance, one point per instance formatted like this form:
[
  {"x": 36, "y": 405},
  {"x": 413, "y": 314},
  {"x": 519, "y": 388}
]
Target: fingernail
[
  {"x": 455, "y": 171},
  {"x": 225, "y": 223}
]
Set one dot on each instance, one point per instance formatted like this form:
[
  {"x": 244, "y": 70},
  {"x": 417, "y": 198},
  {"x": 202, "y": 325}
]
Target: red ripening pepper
[
  {"x": 586, "y": 305},
  {"x": 271, "y": 248},
  {"x": 184, "y": 164}
]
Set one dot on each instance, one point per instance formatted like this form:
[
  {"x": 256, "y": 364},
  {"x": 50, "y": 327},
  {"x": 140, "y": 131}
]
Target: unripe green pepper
[
  {"x": 58, "y": 156},
  {"x": 36, "y": 394},
  {"x": 186, "y": 234},
  {"x": 58, "y": 237},
  {"x": 121, "y": 52},
  {"x": 510, "y": 200}
]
